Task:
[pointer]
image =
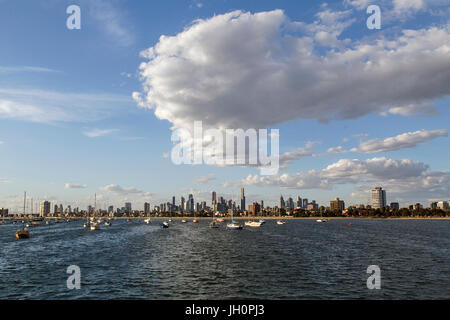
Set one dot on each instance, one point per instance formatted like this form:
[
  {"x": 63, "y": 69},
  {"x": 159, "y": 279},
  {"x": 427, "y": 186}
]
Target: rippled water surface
[{"x": 302, "y": 259}]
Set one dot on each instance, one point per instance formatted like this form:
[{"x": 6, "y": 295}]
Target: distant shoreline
[{"x": 248, "y": 218}]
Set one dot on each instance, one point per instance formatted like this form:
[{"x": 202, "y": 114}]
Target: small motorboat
[
  {"x": 183, "y": 221},
  {"x": 195, "y": 221},
  {"x": 322, "y": 220},
  {"x": 170, "y": 220},
  {"x": 107, "y": 223},
  {"x": 147, "y": 221},
  {"x": 253, "y": 224},
  {"x": 281, "y": 222},
  {"x": 164, "y": 225},
  {"x": 262, "y": 220},
  {"x": 23, "y": 234},
  {"x": 86, "y": 224},
  {"x": 220, "y": 220},
  {"x": 234, "y": 226}
]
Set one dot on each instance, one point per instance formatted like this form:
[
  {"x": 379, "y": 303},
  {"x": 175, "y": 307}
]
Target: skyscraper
[
  {"x": 281, "y": 202},
  {"x": 45, "y": 209},
  {"x": 128, "y": 207},
  {"x": 299, "y": 202},
  {"x": 305, "y": 203},
  {"x": 242, "y": 199},
  {"x": 214, "y": 199},
  {"x": 146, "y": 208},
  {"x": 182, "y": 203},
  {"x": 378, "y": 198}
]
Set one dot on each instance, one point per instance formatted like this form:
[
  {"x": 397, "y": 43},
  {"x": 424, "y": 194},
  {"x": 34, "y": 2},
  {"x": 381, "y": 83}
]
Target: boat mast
[{"x": 24, "y": 201}]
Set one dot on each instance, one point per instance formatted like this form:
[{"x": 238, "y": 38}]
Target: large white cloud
[
  {"x": 343, "y": 171},
  {"x": 242, "y": 70}
]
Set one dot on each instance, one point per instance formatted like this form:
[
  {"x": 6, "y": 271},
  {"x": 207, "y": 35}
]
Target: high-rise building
[
  {"x": 305, "y": 203},
  {"x": 110, "y": 209},
  {"x": 214, "y": 199},
  {"x": 281, "y": 202},
  {"x": 254, "y": 209},
  {"x": 395, "y": 205},
  {"x": 173, "y": 201},
  {"x": 182, "y": 203},
  {"x": 146, "y": 208},
  {"x": 290, "y": 203},
  {"x": 337, "y": 204},
  {"x": 44, "y": 209},
  {"x": 299, "y": 202},
  {"x": 128, "y": 207},
  {"x": 242, "y": 199},
  {"x": 378, "y": 198},
  {"x": 190, "y": 203},
  {"x": 262, "y": 204}
]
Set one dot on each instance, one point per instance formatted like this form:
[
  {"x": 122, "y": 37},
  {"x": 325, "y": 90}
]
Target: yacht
[
  {"x": 322, "y": 220},
  {"x": 281, "y": 222},
  {"x": 234, "y": 225},
  {"x": 253, "y": 224}
]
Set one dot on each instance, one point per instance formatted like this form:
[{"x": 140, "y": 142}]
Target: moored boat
[
  {"x": 253, "y": 224},
  {"x": 164, "y": 225},
  {"x": 23, "y": 234}
]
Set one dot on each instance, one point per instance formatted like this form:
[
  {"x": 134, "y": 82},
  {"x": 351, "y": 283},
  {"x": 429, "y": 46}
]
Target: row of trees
[{"x": 382, "y": 213}]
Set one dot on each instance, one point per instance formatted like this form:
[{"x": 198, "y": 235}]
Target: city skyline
[{"x": 78, "y": 117}]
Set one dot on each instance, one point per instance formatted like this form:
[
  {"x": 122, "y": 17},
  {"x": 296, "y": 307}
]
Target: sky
[{"x": 92, "y": 110}]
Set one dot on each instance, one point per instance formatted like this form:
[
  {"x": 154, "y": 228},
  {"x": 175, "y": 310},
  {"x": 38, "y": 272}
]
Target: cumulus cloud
[
  {"x": 75, "y": 186},
  {"x": 344, "y": 171},
  {"x": 244, "y": 70},
  {"x": 404, "y": 140}
]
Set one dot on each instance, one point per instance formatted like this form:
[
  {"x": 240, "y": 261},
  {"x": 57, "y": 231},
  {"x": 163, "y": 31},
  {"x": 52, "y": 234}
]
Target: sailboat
[
  {"x": 280, "y": 222},
  {"x": 234, "y": 225},
  {"x": 95, "y": 225},
  {"x": 23, "y": 233},
  {"x": 213, "y": 223}
]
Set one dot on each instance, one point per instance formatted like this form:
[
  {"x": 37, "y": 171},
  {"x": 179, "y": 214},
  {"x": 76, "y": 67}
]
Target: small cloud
[
  {"x": 94, "y": 133},
  {"x": 17, "y": 69},
  {"x": 75, "y": 186},
  {"x": 205, "y": 180}
]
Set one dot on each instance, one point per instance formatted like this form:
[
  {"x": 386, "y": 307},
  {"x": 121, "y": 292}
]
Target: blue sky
[{"x": 70, "y": 127}]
